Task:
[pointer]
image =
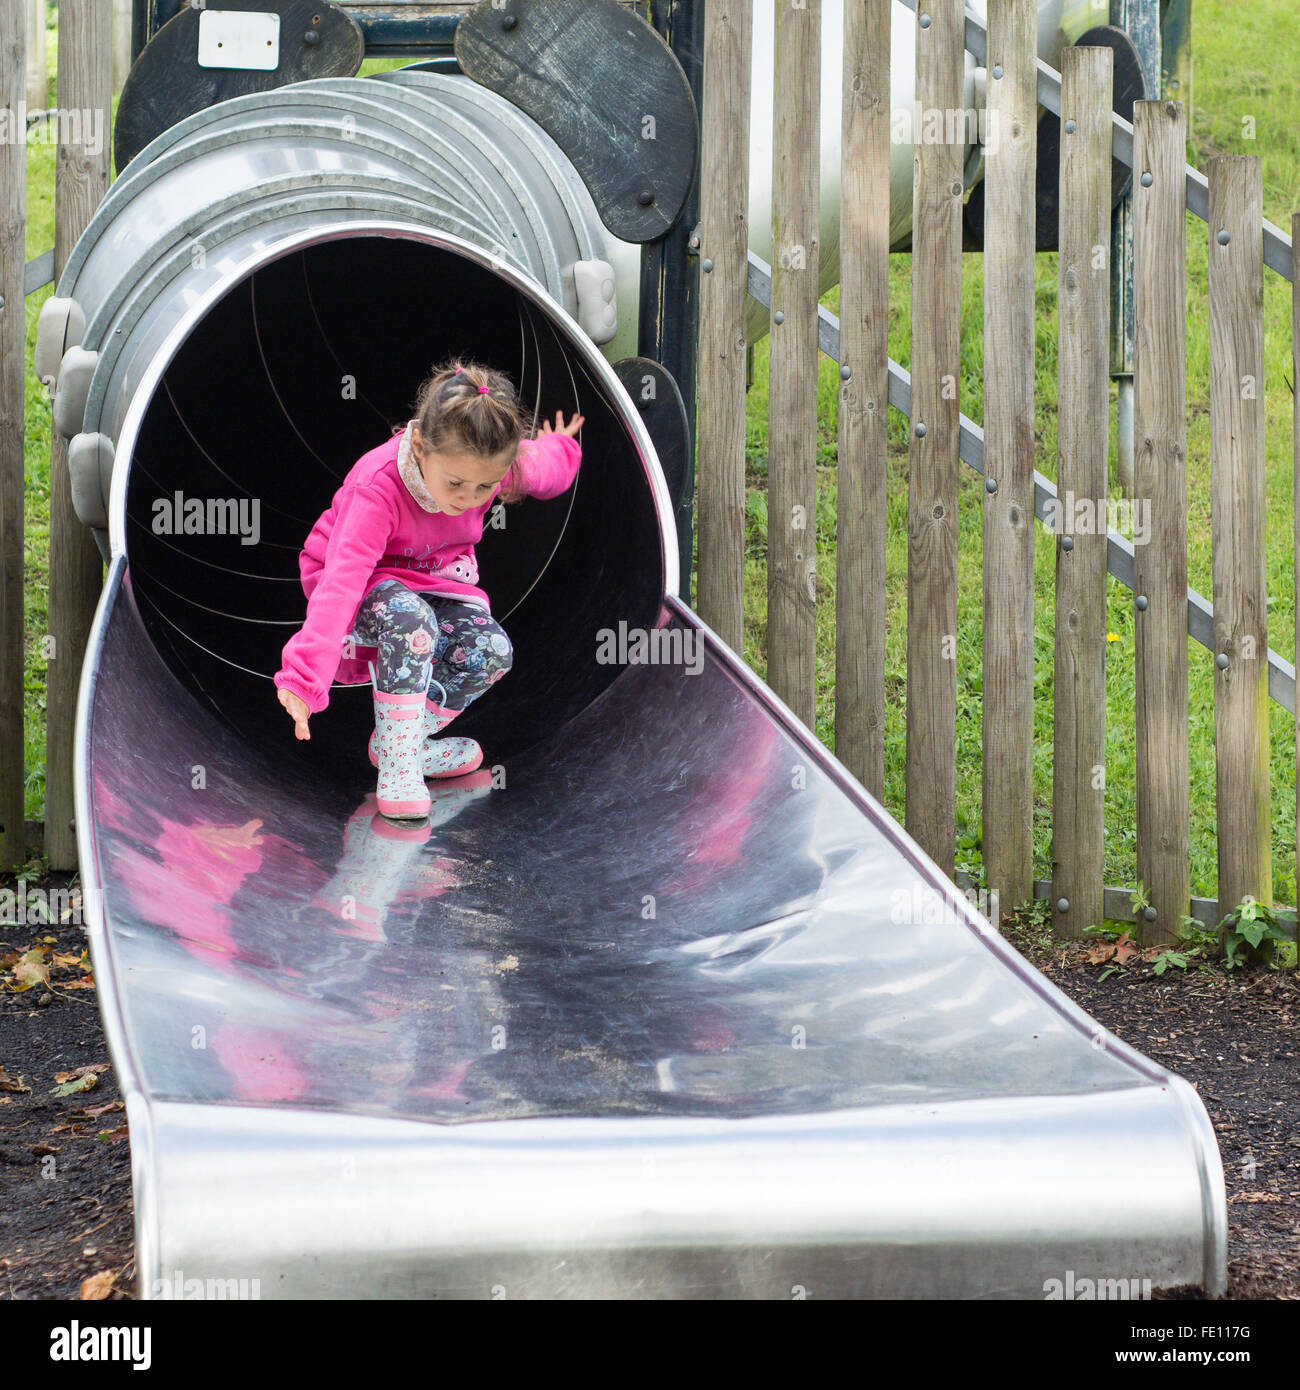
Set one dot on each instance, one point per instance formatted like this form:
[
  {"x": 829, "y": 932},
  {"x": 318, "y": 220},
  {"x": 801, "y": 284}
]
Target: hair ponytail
[{"x": 472, "y": 408}]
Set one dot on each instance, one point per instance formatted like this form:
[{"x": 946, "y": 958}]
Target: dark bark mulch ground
[
  {"x": 65, "y": 1161},
  {"x": 1236, "y": 1037},
  {"x": 65, "y": 1172}
]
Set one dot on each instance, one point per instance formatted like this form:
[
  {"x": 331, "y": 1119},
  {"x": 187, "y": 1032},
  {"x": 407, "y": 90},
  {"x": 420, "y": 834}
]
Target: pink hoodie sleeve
[
  {"x": 363, "y": 521},
  {"x": 549, "y": 464}
]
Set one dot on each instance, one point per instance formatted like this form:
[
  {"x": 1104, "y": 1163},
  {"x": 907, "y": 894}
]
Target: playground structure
[{"x": 939, "y": 1054}]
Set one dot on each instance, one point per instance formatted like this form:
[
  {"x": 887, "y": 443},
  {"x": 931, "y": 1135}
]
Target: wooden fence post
[
  {"x": 1160, "y": 489},
  {"x": 722, "y": 373},
  {"x": 13, "y": 229},
  {"x": 864, "y": 395},
  {"x": 1295, "y": 412},
  {"x": 122, "y": 42},
  {"x": 76, "y": 567},
  {"x": 37, "y": 76},
  {"x": 1079, "y": 777},
  {"x": 796, "y": 266},
  {"x": 1237, "y": 424},
  {"x": 1009, "y": 272},
  {"x": 931, "y": 777}
]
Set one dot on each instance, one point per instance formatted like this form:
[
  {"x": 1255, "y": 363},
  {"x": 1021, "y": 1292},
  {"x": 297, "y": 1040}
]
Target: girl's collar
[{"x": 410, "y": 472}]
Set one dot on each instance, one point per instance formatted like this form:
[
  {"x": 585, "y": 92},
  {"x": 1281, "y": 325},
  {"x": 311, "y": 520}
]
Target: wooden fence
[
  {"x": 940, "y": 438},
  {"x": 93, "y": 59},
  {"x": 1238, "y": 243}
]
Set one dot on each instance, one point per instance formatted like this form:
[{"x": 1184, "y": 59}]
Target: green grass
[
  {"x": 1245, "y": 55},
  {"x": 1242, "y": 55}
]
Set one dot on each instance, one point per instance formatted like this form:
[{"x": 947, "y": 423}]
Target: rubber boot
[
  {"x": 399, "y": 728},
  {"x": 442, "y": 757}
]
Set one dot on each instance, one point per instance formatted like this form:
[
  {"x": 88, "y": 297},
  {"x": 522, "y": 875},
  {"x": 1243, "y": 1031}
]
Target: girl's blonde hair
[{"x": 453, "y": 412}]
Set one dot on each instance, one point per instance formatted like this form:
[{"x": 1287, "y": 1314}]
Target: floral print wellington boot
[
  {"x": 441, "y": 757},
  {"x": 399, "y": 733}
]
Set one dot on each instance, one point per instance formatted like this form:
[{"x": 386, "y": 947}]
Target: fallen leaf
[
  {"x": 97, "y": 1067},
  {"x": 88, "y": 982},
  {"x": 121, "y": 1132},
  {"x": 82, "y": 1083},
  {"x": 1101, "y": 954},
  {"x": 31, "y": 970},
  {"x": 98, "y": 1285},
  {"x": 65, "y": 959},
  {"x": 10, "y": 958},
  {"x": 7, "y": 1083},
  {"x": 1125, "y": 949},
  {"x": 95, "y": 1111}
]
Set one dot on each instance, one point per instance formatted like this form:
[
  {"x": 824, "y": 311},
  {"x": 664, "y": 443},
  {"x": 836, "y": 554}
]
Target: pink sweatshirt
[{"x": 383, "y": 524}]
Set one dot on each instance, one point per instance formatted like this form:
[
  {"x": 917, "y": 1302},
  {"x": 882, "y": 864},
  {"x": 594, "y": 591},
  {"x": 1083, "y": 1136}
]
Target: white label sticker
[{"x": 239, "y": 39}]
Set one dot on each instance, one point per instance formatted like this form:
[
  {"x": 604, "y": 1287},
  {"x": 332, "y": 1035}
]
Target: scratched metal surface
[{"x": 667, "y": 908}]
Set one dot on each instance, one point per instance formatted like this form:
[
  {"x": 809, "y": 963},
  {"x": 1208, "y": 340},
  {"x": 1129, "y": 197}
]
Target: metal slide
[{"x": 658, "y": 1003}]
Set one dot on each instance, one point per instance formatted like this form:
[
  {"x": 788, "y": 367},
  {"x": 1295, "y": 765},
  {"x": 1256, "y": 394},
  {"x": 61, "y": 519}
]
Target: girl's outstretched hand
[
  {"x": 570, "y": 429},
  {"x": 298, "y": 711}
]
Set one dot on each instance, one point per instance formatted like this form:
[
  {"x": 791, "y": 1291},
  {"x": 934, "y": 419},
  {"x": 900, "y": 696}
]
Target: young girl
[{"x": 391, "y": 565}]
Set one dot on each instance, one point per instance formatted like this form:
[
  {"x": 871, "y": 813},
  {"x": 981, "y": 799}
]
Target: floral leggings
[{"x": 427, "y": 643}]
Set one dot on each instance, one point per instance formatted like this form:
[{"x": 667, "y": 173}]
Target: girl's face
[{"x": 457, "y": 481}]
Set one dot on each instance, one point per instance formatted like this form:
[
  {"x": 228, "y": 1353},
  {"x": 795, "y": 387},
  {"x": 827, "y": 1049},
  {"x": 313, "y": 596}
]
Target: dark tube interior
[{"x": 284, "y": 384}]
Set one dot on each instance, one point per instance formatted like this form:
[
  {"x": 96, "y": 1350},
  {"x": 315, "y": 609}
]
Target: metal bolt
[
  {"x": 990, "y": 484},
  {"x": 997, "y": 70},
  {"x": 1142, "y": 603},
  {"x": 845, "y": 372},
  {"x": 920, "y": 430},
  {"x": 1147, "y": 180},
  {"x": 645, "y": 197},
  {"x": 311, "y": 37},
  {"x": 778, "y": 317},
  {"x": 1221, "y": 661},
  {"x": 1224, "y": 238},
  {"x": 509, "y": 21},
  {"x": 706, "y": 266},
  {"x": 1063, "y": 904},
  {"x": 2, "y": 301},
  {"x": 1149, "y": 913},
  {"x": 1070, "y": 127},
  {"x": 1067, "y": 542},
  {"x": 925, "y": 21}
]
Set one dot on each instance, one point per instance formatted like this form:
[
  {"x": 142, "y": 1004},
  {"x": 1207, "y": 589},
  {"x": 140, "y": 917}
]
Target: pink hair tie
[{"x": 484, "y": 390}]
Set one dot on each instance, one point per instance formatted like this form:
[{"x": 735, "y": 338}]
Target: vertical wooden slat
[
  {"x": 932, "y": 486},
  {"x": 76, "y": 567},
  {"x": 1236, "y": 251},
  {"x": 724, "y": 246},
  {"x": 1160, "y": 501},
  {"x": 796, "y": 256},
  {"x": 122, "y": 42},
  {"x": 1009, "y": 265},
  {"x": 1078, "y": 787},
  {"x": 1295, "y": 415},
  {"x": 37, "y": 78},
  {"x": 864, "y": 395},
  {"x": 13, "y": 212}
]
